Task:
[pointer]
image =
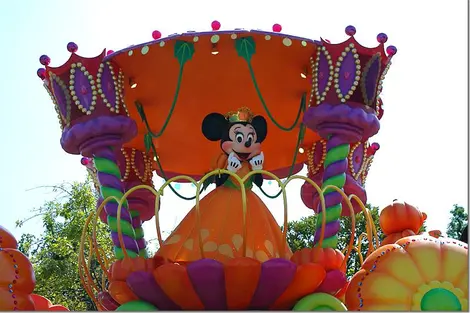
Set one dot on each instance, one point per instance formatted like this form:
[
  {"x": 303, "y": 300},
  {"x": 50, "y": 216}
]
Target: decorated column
[
  {"x": 136, "y": 169},
  {"x": 359, "y": 160},
  {"x": 346, "y": 82},
  {"x": 88, "y": 97}
]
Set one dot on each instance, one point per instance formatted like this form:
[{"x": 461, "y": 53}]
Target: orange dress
[{"x": 222, "y": 227}]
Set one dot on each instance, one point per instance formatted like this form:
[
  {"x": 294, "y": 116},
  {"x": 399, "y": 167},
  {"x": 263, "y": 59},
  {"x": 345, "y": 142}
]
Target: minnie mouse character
[
  {"x": 240, "y": 135},
  {"x": 221, "y": 212}
]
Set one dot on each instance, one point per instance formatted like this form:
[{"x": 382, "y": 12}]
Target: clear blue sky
[{"x": 423, "y": 156}]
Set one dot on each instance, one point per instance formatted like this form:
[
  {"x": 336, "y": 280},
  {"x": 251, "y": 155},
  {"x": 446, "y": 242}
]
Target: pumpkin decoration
[
  {"x": 120, "y": 271},
  {"x": 43, "y": 304},
  {"x": 331, "y": 260},
  {"x": 392, "y": 238},
  {"x": 17, "y": 280},
  {"x": 418, "y": 273},
  {"x": 401, "y": 216}
]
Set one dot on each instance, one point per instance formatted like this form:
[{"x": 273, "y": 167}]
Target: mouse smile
[{"x": 242, "y": 156}]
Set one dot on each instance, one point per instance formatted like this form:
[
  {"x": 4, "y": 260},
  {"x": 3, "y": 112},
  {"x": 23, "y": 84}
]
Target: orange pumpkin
[
  {"x": 329, "y": 258},
  {"x": 392, "y": 238},
  {"x": 400, "y": 216},
  {"x": 16, "y": 275}
]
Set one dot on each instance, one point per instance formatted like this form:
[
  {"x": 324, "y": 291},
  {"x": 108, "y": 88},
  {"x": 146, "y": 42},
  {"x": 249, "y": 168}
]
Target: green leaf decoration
[
  {"x": 148, "y": 142},
  {"x": 183, "y": 51},
  {"x": 246, "y": 47}
]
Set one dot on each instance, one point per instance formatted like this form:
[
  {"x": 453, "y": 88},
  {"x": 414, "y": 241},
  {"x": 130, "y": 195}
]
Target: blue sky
[{"x": 423, "y": 137}]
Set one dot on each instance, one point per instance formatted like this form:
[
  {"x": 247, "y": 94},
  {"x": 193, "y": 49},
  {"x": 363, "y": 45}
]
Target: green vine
[
  {"x": 184, "y": 52},
  {"x": 246, "y": 47},
  {"x": 300, "y": 137}
]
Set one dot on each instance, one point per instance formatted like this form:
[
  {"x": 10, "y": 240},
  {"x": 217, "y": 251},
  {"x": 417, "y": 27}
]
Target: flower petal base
[{"x": 240, "y": 284}]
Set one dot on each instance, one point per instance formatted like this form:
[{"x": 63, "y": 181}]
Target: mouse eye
[
  {"x": 250, "y": 137},
  {"x": 239, "y": 137}
]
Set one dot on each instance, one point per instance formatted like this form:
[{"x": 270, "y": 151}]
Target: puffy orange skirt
[{"x": 222, "y": 230}]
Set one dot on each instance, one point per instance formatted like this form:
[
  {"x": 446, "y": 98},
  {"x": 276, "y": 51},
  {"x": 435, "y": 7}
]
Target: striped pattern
[
  {"x": 109, "y": 178},
  {"x": 335, "y": 174}
]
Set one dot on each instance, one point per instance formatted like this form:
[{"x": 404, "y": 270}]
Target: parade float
[{"x": 235, "y": 108}]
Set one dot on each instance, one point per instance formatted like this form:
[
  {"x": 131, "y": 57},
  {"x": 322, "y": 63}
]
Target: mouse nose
[{"x": 248, "y": 143}]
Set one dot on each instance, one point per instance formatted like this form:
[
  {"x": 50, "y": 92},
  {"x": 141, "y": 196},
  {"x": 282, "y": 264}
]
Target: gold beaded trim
[
  {"x": 68, "y": 101},
  {"x": 56, "y": 107},
  {"x": 312, "y": 168},
  {"x": 377, "y": 106},
  {"x": 382, "y": 77},
  {"x": 120, "y": 83},
  {"x": 367, "y": 101},
  {"x": 312, "y": 66},
  {"x": 357, "y": 174},
  {"x": 357, "y": 77},
  {"x": 73, "y": 92},
  {"x": 130, "y": 163},
  {"x": 116, "y": 88},
  {"x": 315, "y": 73},
  {"x": 367, "y": 164}
]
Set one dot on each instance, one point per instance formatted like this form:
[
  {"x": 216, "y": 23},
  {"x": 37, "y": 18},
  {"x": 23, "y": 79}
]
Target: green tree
[
  {"x": 300, "y": 235},
  {"x": 54, "y": 253},
  {"x": 458, "y": 221}
]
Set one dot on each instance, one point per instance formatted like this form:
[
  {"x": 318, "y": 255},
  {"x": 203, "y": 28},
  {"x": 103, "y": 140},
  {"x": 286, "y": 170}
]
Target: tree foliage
[
  {"x": 54, "y": 253},
  {"x": 458, "y": 221},
  {"x": 300, "y": 235}
]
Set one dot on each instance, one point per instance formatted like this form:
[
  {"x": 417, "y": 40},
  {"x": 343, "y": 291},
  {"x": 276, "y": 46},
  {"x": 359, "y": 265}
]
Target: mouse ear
[
  {"x": 261, "y": 127},
  {"x": 213, "y": 126}
]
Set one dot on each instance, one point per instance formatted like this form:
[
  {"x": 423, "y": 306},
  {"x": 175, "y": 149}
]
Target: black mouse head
[{"x": 239, "y": 131}]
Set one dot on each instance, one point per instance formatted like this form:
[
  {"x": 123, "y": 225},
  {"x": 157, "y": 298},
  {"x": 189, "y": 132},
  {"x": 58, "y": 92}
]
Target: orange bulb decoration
[{"x": 401, "y": 216}]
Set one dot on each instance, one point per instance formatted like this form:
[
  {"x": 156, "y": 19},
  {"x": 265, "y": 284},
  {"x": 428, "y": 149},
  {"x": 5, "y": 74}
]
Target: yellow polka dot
[
  {"x": 189, "y": 244},
  {"x": 303, "y": 43},
  {"x": 162, "y": 44},
  {"x": 215, "y": 39},
  {"x": 210, "y": 246},
  {"x": 130, "y": 53},
  {"x": 261, "y": 256},
  {"x": 233, "y": 36},
  {"x": 204, "y": 234},
  {"x": 173, "y": 239},
  {"x": 269, "y": 246},
  {"x": 196, "y": 39},
  {"x": 145, "y": 50},
  {"x": 226, "y": 250},
  {"x": 267, "y": 37},
  {"x": 287, "y": 42},
  {"x": 237, "y": 241}
]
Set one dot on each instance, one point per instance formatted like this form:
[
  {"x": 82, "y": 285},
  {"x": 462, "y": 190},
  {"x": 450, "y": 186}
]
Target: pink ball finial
[
  {"x": 391, "y": 50},
  {"x": 375, "y": 146},
  {"x": 156, "y": 35},
  {"x": 41, "y": 73},
  {"x": 277, "y": 28},
  {"x": 44, "y": 60},
  {"x": 72, "y": 47},
  {"x": 215, "y": 25},
  {"x": 84, "y": 161},
  {"x": 350, "y": 30},
  {"x": 109, "y": 52},
  {"x": 382, "y": 38}
]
